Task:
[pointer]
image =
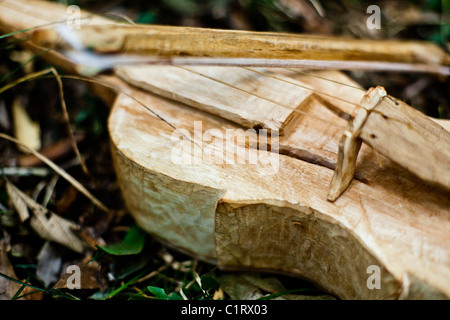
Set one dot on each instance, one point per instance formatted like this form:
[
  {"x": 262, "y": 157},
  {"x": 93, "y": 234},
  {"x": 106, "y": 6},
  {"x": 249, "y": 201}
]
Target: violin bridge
[{"x": 350, "y": 143}]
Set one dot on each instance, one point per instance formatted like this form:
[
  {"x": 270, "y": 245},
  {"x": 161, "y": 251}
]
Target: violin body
[
  {"x": 234, "y": 165},
  {"x": 272, "y": 214}
]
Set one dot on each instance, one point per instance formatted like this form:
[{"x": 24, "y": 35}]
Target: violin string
[
  {"x": 268, "y": 99},
  {"x": 302, "y": 86},
  {"x": 286, "y": 81},
  {"x": 325, "y": 79},
  {"x": 294, "y": 109},
  {"x": 129, "y": 95}
]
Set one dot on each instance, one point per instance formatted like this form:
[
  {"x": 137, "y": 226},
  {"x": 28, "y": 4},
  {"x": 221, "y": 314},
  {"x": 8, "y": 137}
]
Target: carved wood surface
[
  {"x": 273, "y": 214},
  {"x": 281, "y": 221}
]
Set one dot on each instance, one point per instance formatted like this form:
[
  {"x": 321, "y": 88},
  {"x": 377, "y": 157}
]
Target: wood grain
[
  {"x": 408, "y": 137},
  {"x": 279, "y": 222}
]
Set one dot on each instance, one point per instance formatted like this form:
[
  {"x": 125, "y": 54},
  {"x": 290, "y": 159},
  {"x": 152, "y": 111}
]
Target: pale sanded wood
[
  {"x": 202, "y": 42},
  {"x": 107, "y": 36},
  {"x": 408, "y": 137},
  {"x": 249, "y": 97},
  {"x": 223, "y": 93},
  {"x": 268, "y": 101},
  {"x": 280, "y": 222}
]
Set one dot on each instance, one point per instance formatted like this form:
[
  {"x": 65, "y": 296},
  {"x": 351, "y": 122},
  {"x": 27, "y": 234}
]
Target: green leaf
[
  {"x": 160, "y": 294},
  {"x": 174, "y": 296},
  {"x": 133, "y": 243},
  {"x": 210, "y": 282}
]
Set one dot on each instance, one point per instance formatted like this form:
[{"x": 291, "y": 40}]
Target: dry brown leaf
[
  {"x": 53, "y": 152},
  {"x": 8, "y": 288},
  {"x": 19, "y": 203},
  {"x": 219, "y": 294},
  {"x": 44, "y": 159},
  {"x": 60, "y": 171},
  {"x": 46, "y": 223},
  {"x": 26, "y": 130},
  {"x": 49, "y": 264}
]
